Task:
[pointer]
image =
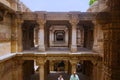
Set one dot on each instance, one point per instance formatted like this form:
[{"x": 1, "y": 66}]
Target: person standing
[
  {"x": 60, "y": 77},
  {"x": 74, "y": 76}
]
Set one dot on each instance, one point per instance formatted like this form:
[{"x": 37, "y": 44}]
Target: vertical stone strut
[
  {"x": 41, "y": 34},
  {"x": 41, "y": 64},
  {"x": 14, "y": 35},
  {"x": 98, "y": 38},
  {"x": 73, "y": 64},
  {"x": 74, "y": 23},
  {"x": 19, "y": 32}
]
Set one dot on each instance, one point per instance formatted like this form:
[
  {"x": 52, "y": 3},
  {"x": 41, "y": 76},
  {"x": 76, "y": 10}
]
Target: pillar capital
[
  {"x": 74, "y": 61},
  {"x": 19, "y": 21},
  {"x": 74, "y": 22},
  {"x": 40, "y": 61},
  {"x": 41, "y": 22},
  {"x": 94, "y": 62}
]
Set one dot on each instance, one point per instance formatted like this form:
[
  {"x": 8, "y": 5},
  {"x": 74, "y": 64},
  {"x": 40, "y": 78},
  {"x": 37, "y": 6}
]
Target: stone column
[
  {"x": 41, "y": 64},
  {"x": 73, "y": 64},
  {"x": 98, "y": 38},
  {"x": 97, "y": 71},
  {"x": 82, "y": 37},
  {"x": 74, "y": 36},
  {"x": 20, "y": 72},
  {"x": 19, "y": 33},
  {"x": 14, "y": 35},
  {"x": 100, "y": 71},
  {"x": 41, "y": 36},
  {"x": 51, "y": 65},
  {"x": 66, "y": 36},
  {"x": 36, "y": 36}
]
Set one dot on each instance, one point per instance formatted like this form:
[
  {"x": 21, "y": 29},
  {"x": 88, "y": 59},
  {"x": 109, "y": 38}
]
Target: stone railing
[
  {"x": 9, "y": 67},
  {"x": 6, "y": 67}
]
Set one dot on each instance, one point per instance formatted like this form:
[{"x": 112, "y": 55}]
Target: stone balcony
[{"x": 5, "y": 2}]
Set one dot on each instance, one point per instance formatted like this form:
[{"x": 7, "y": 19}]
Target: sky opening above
[{"x": 57, "y": 5}]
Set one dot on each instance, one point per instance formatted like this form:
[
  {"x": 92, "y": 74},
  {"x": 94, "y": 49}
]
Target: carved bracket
[{"x": 40, "y": 61}]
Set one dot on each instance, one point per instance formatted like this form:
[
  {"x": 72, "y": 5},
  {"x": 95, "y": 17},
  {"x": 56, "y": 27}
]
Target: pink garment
[{"x": 60, "y": 78}]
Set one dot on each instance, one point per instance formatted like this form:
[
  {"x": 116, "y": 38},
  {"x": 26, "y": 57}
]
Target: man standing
[{"x": 74, "y": 76}]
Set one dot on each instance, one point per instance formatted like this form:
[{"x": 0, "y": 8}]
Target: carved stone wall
[
  {"x": 5, "y": 35},
  {"x": 11, "y": 69}
]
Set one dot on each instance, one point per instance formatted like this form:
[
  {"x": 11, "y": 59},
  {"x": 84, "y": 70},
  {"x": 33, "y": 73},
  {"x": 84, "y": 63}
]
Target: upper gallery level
[{"x": 15, "y": 5}]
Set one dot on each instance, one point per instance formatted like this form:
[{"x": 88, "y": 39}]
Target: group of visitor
[{"x": 74, "y": 76}]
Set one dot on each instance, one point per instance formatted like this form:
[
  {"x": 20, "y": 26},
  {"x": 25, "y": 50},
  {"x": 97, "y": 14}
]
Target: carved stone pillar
[
  {"x": 98, "y": 38},
  {"x": 97, "y": 70},
  {"x": 74, "y": 36},
  {"x": 41, "y": 35},
  {"x": 100, "y": 71},
  {"x": 19, "y": 32},
  {"x": 51, "y": 65},
  {"x": 36, "y": 35},
  {"x": 73, "y": 64},
  {"x": 14, "y": 35},
  {"x": 41, "y": 64}
]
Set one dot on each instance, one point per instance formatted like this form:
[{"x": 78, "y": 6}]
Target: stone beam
[
  {"x": 87, "y": 15},
  {"x": 28, "y": 15}
]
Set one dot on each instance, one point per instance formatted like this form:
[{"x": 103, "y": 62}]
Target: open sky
[{"x": 57, "y": 5}]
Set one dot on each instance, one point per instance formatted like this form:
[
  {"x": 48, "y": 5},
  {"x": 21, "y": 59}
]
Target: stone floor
[{"x": 59, "y": 49}]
